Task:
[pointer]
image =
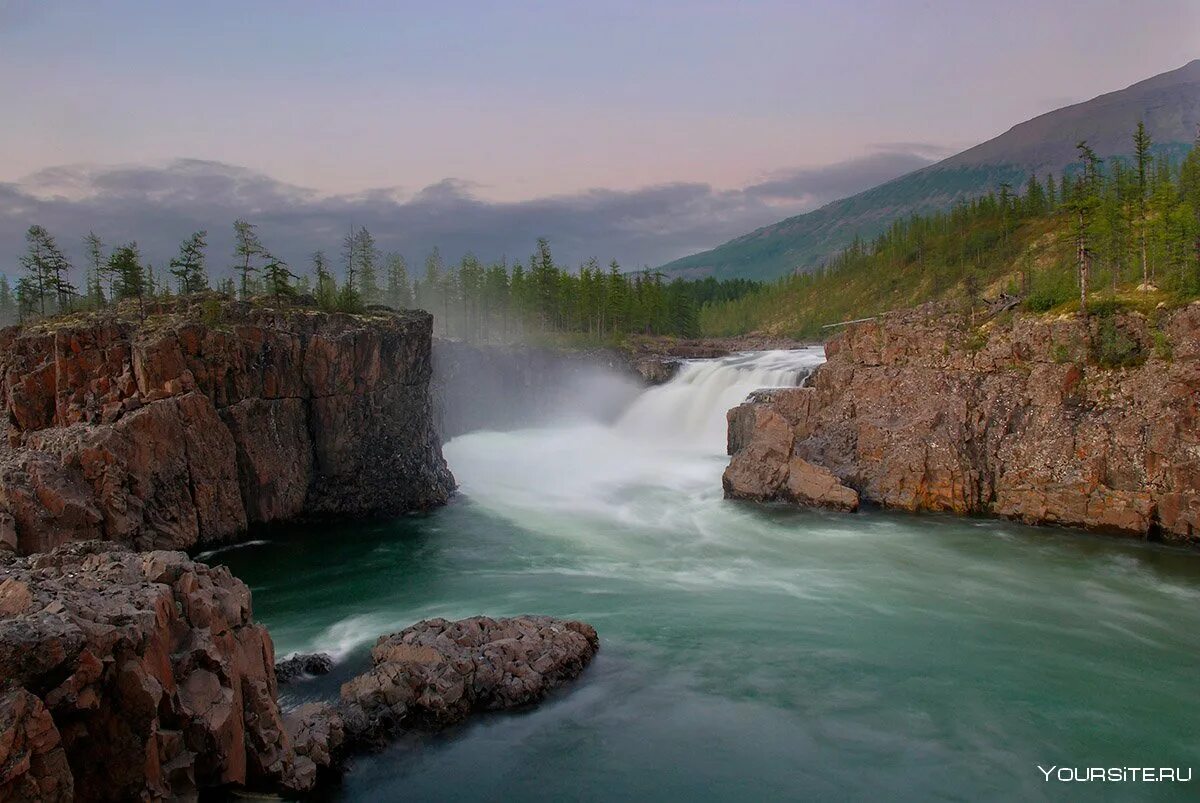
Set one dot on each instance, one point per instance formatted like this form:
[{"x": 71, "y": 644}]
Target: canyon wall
[
  {"x": 208, "y": 416},
  {"x": 1092, "y": 423}
]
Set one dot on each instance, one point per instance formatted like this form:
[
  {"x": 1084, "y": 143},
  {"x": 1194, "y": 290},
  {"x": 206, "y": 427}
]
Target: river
[{"x": 749, "y": 652}]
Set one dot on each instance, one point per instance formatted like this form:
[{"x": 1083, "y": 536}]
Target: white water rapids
[{"x": 656, "y": 466}]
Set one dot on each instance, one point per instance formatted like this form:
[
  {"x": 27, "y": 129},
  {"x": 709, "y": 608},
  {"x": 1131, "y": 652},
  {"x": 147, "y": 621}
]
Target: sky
[{"x": 636, "y": 130}]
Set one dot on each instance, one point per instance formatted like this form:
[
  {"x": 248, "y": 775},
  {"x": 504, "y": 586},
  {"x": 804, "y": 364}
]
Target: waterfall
[
  {"x": 658, "y": 465},
  {"x": 690, "y": 409}
]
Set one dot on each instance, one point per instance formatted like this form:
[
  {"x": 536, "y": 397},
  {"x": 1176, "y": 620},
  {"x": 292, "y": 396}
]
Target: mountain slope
[{"x": 1168, "y": 103}]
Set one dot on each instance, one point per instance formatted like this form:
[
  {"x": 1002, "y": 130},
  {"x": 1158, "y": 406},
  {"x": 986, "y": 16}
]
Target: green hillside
[
  {"x": 1169, "y": 104},
  {"x": 1022, "y": 246}
]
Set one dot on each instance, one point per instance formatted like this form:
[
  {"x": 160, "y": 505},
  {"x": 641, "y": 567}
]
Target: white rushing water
[{"x": 657, "y": 466}]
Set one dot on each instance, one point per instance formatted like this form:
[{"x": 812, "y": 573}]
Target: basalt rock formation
[
  {"x": 143, "y": 676},
  {"x": 1092, "y": 423},
  {"x": 209, "y": 415},
  {"x": 133, "y": 676}
]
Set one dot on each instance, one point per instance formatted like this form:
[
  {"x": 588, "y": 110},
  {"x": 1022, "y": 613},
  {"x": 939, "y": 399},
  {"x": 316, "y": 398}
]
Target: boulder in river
[{"x": 435, "y": 673}]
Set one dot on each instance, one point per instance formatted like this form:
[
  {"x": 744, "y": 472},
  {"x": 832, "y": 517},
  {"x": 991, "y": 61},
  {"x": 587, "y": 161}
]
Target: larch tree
[{"x": 246, "y": 249}]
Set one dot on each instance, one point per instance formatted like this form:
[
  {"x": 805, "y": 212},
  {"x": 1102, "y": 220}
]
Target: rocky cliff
[
  {"x": 205, "y": 417},
  {"x": 133, "y": 676},
  {"x": 143, "y": 676},
  {"x": 1092, "y": 423}
]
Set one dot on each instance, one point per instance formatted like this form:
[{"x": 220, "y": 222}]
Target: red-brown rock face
[
  {"x": 133, "y": 676},
  {"x": 175, "y": 431},
  {"x": 918, "y": 411}
]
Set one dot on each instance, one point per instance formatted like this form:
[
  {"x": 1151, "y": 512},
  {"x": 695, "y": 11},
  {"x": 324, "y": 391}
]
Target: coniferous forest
[
  {"x": 1106, "y": 234},
  {"x": 1125, "y": 231},
  {"x": 470, "y": 300}
]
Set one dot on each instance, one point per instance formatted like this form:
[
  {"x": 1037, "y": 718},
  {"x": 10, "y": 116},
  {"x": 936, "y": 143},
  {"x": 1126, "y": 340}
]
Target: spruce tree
[
  {"x": 97, "y": 267},
  {"x": 1083, "y": 204},
  {"x": 1141, "y": 154},
  {"x": 7, "y": 302},
  {"x": 278, "y": 277},
  {"x": 367, "y": 259},
  {"x": 188, "y": 267},
  {"x": 125, "y": 264}
]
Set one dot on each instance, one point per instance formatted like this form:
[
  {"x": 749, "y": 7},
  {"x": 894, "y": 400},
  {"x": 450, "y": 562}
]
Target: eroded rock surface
[
  {"x": 435, "y": 673},
  {"x": 185, "y": 428},
  {"x": 132, "y": 676},
  {"x": 1025, "y": 418}
]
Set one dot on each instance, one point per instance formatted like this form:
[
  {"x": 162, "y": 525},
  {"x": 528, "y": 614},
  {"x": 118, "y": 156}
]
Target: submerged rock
[
  {"x": 435, "y": 673},
  {"x": 302, "y": 665}
]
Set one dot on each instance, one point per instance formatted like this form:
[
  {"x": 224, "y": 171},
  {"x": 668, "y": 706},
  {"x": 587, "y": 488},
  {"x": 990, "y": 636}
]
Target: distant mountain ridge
[{"x": 1168, "y": 103}]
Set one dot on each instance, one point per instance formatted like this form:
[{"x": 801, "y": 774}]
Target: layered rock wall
[
  {"x": 1026, "y": 418},
  {"x": 186, "y": 427}
]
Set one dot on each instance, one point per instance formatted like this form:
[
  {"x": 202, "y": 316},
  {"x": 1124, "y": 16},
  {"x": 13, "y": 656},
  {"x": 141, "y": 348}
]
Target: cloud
[{"x": 158, "y": 206}]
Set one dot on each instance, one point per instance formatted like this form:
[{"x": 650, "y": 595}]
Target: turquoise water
[{"x": 750, "y": 652}]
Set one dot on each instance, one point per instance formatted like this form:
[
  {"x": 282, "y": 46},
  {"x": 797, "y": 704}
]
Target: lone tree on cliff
[
  {"x": 97, "y": 269},
  {"x": 188, "y": 267},
  {"x": 326, "y": 285},
  {"x": 246, "y": 248},
  {"x": 366, "y": 257}
]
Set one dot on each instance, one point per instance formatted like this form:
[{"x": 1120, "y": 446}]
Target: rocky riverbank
[
  {"x": 1091, "y": 423},
  {"x": 143, "y": 676},
  {"x": 207, "y": 416}
]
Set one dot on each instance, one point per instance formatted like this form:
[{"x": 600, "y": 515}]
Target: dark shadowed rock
[{"x": 301, "y": 665}]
